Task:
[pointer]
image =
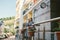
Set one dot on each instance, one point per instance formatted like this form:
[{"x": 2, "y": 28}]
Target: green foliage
[
  {"x": 32, "y": 29},
  {"x": 6, "y": 30},
  {"x": 57, "y": 28},
  {"x": 12, "y": 30},
  {"x": 7, "y": 18}
]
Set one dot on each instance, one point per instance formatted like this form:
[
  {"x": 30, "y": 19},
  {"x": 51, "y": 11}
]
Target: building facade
[{"x": 38, "y": 10}]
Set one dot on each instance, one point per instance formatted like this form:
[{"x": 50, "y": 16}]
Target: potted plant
[
  {"x": 31, "y": 31},
  {"x": 57, "y": 30}
]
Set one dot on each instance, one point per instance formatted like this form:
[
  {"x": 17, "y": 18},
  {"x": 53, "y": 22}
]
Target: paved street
[{"x": 10, "y": 38}]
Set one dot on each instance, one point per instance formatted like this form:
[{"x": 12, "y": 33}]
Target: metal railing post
[
  {"x": 38, "y": 34},
  {"x": 26, "y": 34},
  {"x": 38, "y": 31},
  {"x": 44, "y": 33}
]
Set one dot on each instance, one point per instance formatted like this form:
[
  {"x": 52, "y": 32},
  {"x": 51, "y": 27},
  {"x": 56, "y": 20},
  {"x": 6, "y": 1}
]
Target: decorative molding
[{"x": 43, "y": 5}]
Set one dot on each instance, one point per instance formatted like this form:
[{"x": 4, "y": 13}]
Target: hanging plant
[{"x": 58, "y": 27}]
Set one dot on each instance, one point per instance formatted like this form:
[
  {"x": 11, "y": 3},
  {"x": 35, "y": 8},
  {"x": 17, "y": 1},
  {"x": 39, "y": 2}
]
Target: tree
[{"x": 6, "y": 30}]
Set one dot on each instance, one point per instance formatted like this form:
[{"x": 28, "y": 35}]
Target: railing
[
  {"x": 44, "y": 31},
  {"x": 42, "y": 22},
  {"x": 50, "y": 20}
]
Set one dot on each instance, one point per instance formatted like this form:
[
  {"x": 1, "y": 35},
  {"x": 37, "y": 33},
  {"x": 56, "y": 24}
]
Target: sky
[{"x": 7, "y": 8}]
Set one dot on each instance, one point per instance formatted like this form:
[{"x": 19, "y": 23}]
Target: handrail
[
  {"x": 54, "y": 19},
  {"x": 50, "y": 20}
]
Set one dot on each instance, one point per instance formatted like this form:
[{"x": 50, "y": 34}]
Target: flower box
[
  {"x": 31, "y": 33},
  {"x": 58, "y": 35}
]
